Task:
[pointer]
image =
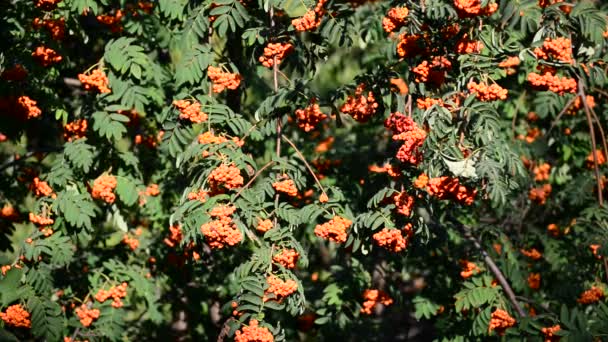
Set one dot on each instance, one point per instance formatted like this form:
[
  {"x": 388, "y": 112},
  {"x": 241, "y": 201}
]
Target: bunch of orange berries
[
  {"x": 500, "y": 321},
  {"x": 8, "y": 212},
  {"x": 227, "y": 176},
  {"x": 534, "y": 281},
  {"x": 190, "y": 110},
  {"x": 532, "y": 253},
  {"x": 41, "y": 221},
  {"x": 310, "y": 117},
  {"x": 28, "y": 107},
  {"x": 333, "y": 230},
  {"x": 103, "y": 188},
  {"x": 253, "y": 333},
  {"x": 55, "y": 27},
  {"x": 559, "y": 48},
  {"x": 360, "y": 106},
  {"x": 274, "y": 51},
  {"x": 288, "y": 258},
  {"x": 86, "y": 315},
  {"x": 372, "y": 298},
  {"x": 486, "y": 93},
  {"x": 115, "y": 292},
  {"x": 549, "y": 333},
  {"x": 47, "y": 5},
  {"x": 466, "y": 46},
  {"x": 409, "y": 45},
  {"x": 540, "y": 194},
  {"x": 131, "y": 241},
  {"x": 200, "y": 195},
  {"x": 403, "y": 203},
  {"x": 428, "y": 102},
  {"x": 175, "y": 236},
  {"x": 578, "y": 104},
  {"x": 75, "y": 130},
  {"x": 112, "y": 21},
  {"x": 594, "y": 294},
  {"x": 450, "y": 188},
  {"x": 264, "y": 225},
  {"x": 468, "y": 269},
  {"x": 395, "y": 18},
  {"x": 151, "y": 190},
  {"x": 221, "y": 231},
  {"x": 311, "y": 20},
  {"x": 393, "y": 239},
  {"x": 279, "y": 288},
  {"x": 46, "y": 56},
  {"x": 42, "y": 188},
  {"x": 551, "y": 82},
  {"x": 541, "y": 172},
  {"x": 223, "y": 80},
  {"x": 509, "y": 64},
  {"x": 472, "y": 8},
  {"x": 16, "y": 316},
  {"x": 433, "y": 72},
  {"x": 97, "y": 80},
  {"x": 599, "y": 156},
  {"x": 286, "y": 186}
]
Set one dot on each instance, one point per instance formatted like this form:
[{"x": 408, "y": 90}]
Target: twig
[
  {"x": 581, "y": 93},
  {"x": 559, "y": 116},
  {"x": 492, "y": 265},
  {"x": 75, "y": 333},
  {"x": 305, "y": 163},
  {"x": 252, "y": 179}
]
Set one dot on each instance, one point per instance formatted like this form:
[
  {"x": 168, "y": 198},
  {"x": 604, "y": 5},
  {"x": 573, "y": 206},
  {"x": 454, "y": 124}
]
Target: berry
[
  {"x": 97, "y": 80},
  {"x": 500, "y": 321},
  {"x": 103, "y": 188},
  {"x": 190, "y": 110},
  {"x": 16, "y": 316},
  {"x": 333, "y": 230},
  {"x": 272, "y": 50},
  {"x": 46, "y": 56},
  {"x": 372, "y": 298}
]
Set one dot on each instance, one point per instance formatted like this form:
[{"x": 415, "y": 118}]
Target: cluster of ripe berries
[
  {"x": 395, "y": 19},
  {"x": 472, "y": 8},
  {"x": 190, "y": 110},
  {"x": 223, "y": 80},
  {"x": 225, "y": 176},
  {"x": 16, "y": 316},
  {"x": 487, "y": 93},
  {"x": 310, "y": 117},
  {"x": 360, "y": 106},
  {"x": 534, "y": 281},
  {"x": 253, "y": 333},
  {"x": 274, "y": 51},
  {"x": 86, "y": 315},
  {"x": 221, "y": 231},
  {"x": 151, "y": 190},
  {"x": 393, "y": 239},
  {"x": 540, "y": 194},
  {"x": 445, "y": 187},
  {"x": 97, "y": 80},
  {"x": 28, "y": 107},
  {"x": 279, "y": 289},
  {"x": 175, "y": 236},
  {"x": 466, "y": 46},
  {"x": 600, "y": 157},
  {"x": 531, "y": 253},
  {"x": 47, "y": 5},
  {"x": 558, "y": 48},
  {"x": 311, "y": 20},
  {"x": 403, "y": 203},
  {"x": 286, "y": 186},
  {"x": 115, "y": 292},
  {"x": 288, "y": 258},
  {"x": 75, "y": 130},
  {"x": 510, "y": 64},
  {"x": 404, "y": 129},
  {"x": 500, "y": 321},
  {"x": 46, "y": 56},
  {"x": 40, "y": 221},
  {"x": 549, "y": 332},
  {"x": 55, "y": 27},
  {"x": 372, "y": 297},
  {"x": 334, "y": 229},
  {"x": 409, "y": 45},
  {"x": 593, "y": 295},
  {"x": 200, "y": 195},
  {"x": 433, "y": 72},
  {"x": 103, "y": 188},
  {"x": 42, "y": 188},
  {"x": 112, "y": 21},
  {"x": 578, "y": 104},
  {"x": 428, "y": 102},
  {"x": 468, "y": 269},
  {"x": 392, "y": 170},
  {"x": 131, "y": 241},
  {"x": 551, "y": 82},
  {"x": 542, "y": 172},
  {"x": 264, "y": 225}
]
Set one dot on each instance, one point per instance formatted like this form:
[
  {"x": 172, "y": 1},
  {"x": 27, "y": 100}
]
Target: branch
[
  {"x": 581, "y": 93},
  {"x": 305, "y": 163},
  {"x": 252, "y": 179}
]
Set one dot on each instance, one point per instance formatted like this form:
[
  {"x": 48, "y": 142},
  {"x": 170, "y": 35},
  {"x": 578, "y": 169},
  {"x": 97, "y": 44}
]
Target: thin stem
[
  {"x": 305, "y": 163},
  {"x": 559, "y": 116},
  {"x": 252, "y": 179},
  {"x": 581, "y": 93}
]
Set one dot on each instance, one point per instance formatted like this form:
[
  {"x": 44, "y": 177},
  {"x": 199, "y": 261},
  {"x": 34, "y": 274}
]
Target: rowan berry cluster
[
  {"x": 311, "y": 20},
  {"x": 468, "y": 46},
  {"x": 97, "y": 80},
  {"x": 393, "y": 239},
  {"x": 16, "y": 316},
  {"x": 372, "y": 297},
  {"x": 86, "y": 315},
  {"x": 531, "y": 253},
  {"x": 500, "y": 321},
  {"x": 9, "y": 212},
  {"x": 486, "y": 93},
  {"x": 510, "y": 64},
  {"x": 531, "y": 135},
  {"x": 578, "y": 104},
  {"x": 75, "y": 130},
  {"x": 201, "y": 195},
  {"x": 16, "y": 73},
  {"x": 406, "y": 130},
  {"x": 360, "y": 106},
  {"x": 41, "y": 188},
  {"x": 403, "y": 203},
  {"x": 549, "y": 333},
  {"x": 40, "y": 221},
  {"x": 558, "y": 48},
  {"x": 223, "y": 80},
  {"x": 594, "y": 294},
  {"x": 333, "y": 230},
  {"x": 115, "y": 292},
  {"x": 175, "y": 236},
  {"x": 221, "y": 231},
  {"x": 190, "y": 110},
  {"x": 151, "y": 190},
  {"x": 551, "y": 82},
  {"x": 279, "y": 288},
  {"x": 425, "y": 72},
  {"x": 534, "y": 281},
  {"x": 225, "y": 176},
  {"x": 395, "y": 19},
  {"x": 472, "y": 8},
  {"x": 600, "y": 157},
  {"x": 392, "y": 170},
  {"x": 553, "y": 230},
  {"x": 288, "y": 258},
  {"x": 428, "y": 102},
  {"x": 546, "y": 3},
  {"x": 286, "y": 186},
  {"x": 55, "y": 27},
  {"x": 46, "y": 56},
  {"x": 112, "y": 21},
  {"x": 274, "y": 51},
  {"x": 131, "y": 241},
  {"x": 28, "y": 107},
  {"x": 310, "y": 117},
  {"x": 450, "y": 188},
  {"x": 264, "y": 225},
  {"x": 539, "y": 194},
  {"x": 253, "y": 333},
  {"x": 103, "y": 188},
  {"x": 47, "y": 5},
  {"x": 468, "y": 269},
  {"x": 541, "y": 172},
  {"x": 409, "y": 45}
]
